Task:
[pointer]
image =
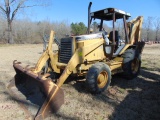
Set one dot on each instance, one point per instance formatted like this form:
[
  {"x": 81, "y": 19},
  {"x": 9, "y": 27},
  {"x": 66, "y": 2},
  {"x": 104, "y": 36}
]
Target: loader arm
[{"x": 48, "y": 54}]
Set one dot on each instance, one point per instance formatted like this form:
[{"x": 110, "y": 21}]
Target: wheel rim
[
  {"x": 102, "y": 79},
  {"x": 135, "y": 66}
]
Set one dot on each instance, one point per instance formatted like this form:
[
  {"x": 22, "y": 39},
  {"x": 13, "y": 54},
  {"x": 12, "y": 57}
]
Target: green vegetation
[{"x": 78, "y": 28}]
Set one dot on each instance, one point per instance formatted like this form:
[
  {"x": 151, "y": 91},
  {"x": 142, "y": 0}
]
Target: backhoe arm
[{"x": 134, "y": 27}]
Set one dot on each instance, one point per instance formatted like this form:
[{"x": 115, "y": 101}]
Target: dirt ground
[{"x": 137, "y": 99}]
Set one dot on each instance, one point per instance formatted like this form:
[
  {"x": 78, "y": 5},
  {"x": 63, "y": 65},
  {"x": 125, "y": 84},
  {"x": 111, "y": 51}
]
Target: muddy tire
[
  {"x": 98, "y": 78},
  {"x": 131, "y": 64}
]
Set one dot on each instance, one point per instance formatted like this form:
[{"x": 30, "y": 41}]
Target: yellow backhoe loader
[{"x": 93, "y": 55}]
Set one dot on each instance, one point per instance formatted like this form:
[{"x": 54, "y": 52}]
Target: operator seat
[
  {"x": 116, "y": 38},
  {"x": 105, "y": 36}
]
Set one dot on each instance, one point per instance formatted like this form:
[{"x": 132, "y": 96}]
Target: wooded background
[{"x": 23, "y": 31}]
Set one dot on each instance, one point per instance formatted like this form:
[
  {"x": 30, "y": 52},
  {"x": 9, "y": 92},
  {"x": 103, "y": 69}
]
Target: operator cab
[{"x": 110, "y": 14}]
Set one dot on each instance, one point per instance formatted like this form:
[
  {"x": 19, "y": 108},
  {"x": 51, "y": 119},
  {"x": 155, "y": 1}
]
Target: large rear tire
[
  {"x": 131, "y": 64},
  {"x": 98, "y": 77}
]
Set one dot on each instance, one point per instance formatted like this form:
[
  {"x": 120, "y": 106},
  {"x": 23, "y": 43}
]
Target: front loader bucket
[{"x": 29, "y": 82}]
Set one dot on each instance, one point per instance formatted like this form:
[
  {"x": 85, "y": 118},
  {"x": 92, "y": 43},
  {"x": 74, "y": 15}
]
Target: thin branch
[
  {"x": 31, "y": 6},
  {"x": 11, "y": 1},
  {"x": 20, "y": 6},
  {"x": 3, "y": 10},
  {"x": 17, "y": 8},
  {"x": 157, "y": 24}
]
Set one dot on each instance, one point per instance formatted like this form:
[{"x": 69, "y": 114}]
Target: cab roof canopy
[{"x": 107, "y": 14}]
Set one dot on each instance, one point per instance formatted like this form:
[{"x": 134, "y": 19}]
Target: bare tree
[
  {"x": 157, "y": 27},
  {"x": 148, "y": 26},
  {"x": 2, "y": 29},
  {"x": 62, "y": 28},
  {"x": 44, "y": 28},
  {"x": 10, "y": 8}
]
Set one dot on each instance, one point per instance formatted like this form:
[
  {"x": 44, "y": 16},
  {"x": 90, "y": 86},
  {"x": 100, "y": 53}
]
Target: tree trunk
[
  {"x": 10, "y": 35},
  {"x": 148, "y": 35},
  {"x": 157, "y": 30}
]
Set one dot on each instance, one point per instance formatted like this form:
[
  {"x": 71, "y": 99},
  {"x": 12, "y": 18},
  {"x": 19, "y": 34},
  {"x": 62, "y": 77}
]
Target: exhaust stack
[{"x": 89, "y": 16}]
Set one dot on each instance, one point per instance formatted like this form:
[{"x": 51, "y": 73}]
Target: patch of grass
[
  {"x": 151, "y": 64},
  {"x": 121, "y": 90},
  {"x": 3, "y": 45},
  {"x": 8, "y": 45}
]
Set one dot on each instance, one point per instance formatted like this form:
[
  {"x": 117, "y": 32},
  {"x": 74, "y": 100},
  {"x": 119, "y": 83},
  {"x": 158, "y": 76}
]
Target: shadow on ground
[
  {"x": 31, "y": 100},
  {"x": 143, "y": 99},
  {"x": 141, "y": 102}
]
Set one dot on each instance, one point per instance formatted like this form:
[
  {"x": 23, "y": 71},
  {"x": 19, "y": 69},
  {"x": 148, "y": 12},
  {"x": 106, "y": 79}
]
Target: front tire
[
  {"x": 98, "y": 77},
  {"x": 131, "y": 64}
]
